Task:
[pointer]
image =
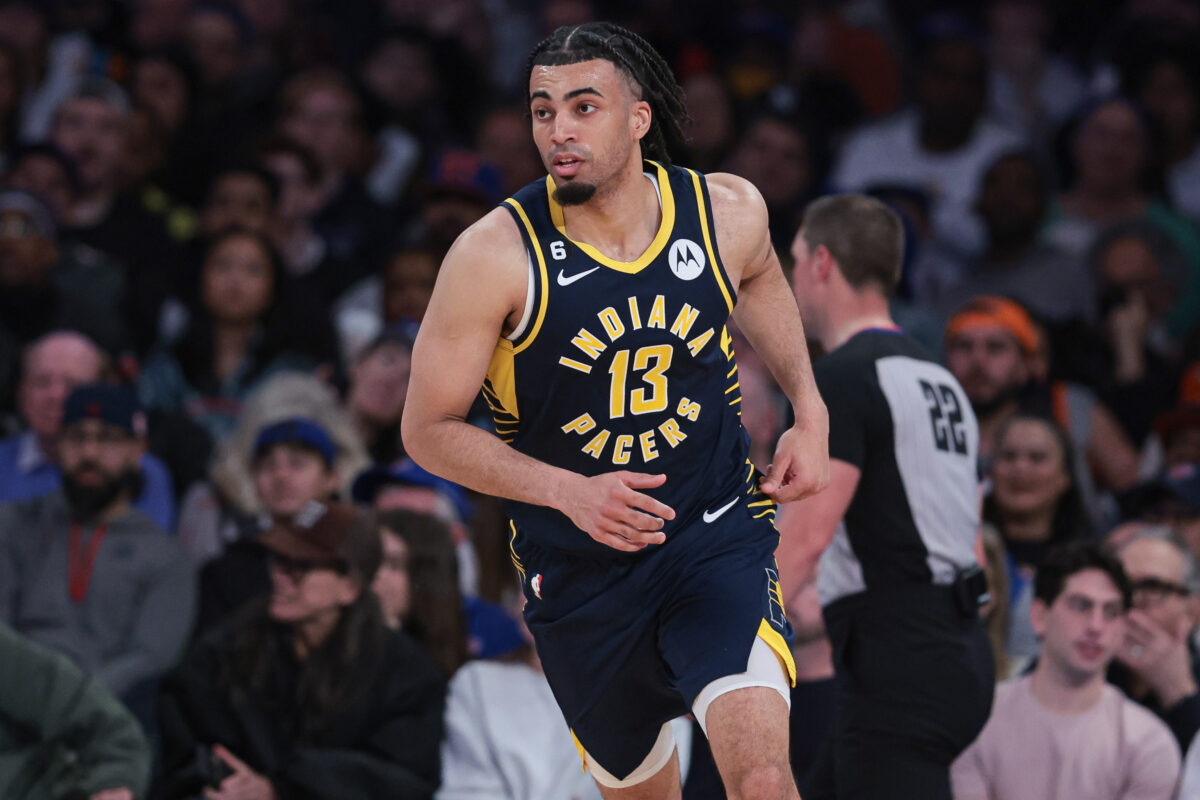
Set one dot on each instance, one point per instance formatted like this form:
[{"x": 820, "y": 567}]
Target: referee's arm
[{"x": 807, "y": 526}]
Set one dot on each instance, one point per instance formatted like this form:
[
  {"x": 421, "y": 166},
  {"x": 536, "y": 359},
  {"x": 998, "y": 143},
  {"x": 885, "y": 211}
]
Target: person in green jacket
[{"x": 62, "y": 734}]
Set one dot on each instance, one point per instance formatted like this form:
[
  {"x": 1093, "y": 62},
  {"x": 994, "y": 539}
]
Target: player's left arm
[{"x": 766, "y": 312}]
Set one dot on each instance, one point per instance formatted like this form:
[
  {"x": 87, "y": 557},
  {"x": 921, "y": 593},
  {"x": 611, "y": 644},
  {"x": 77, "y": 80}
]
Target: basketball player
[
  {"x": 899, "y": 584},
  {"x": 592, "y": 307}
]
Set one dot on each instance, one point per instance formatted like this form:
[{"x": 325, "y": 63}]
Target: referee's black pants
[{"x": 915, "y": 680}]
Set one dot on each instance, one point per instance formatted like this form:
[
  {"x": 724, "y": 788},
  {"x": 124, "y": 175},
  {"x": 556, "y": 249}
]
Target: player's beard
[
  {"x": 86, "y": 502},
  {"x": 573, "y": 193}
]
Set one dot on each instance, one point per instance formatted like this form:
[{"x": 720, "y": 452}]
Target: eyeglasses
[
  {"x": 296, "y": 568},
  {"x": 1154, "y": 591}
]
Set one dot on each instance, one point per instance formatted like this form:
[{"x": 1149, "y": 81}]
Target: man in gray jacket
[{"x": 83, "y": 572}]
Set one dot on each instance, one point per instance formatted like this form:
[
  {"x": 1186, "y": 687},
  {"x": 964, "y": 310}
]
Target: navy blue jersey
[{"x": 623, "y": 365}]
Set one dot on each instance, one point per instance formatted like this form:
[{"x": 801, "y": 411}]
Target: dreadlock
[{"x": 639, "y": 61}]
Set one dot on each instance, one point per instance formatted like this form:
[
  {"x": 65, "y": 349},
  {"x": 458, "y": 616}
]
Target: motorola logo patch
[{"x": 686, "y": 259}]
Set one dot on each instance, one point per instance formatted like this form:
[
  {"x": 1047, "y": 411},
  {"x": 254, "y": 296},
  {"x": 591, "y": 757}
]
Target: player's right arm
[{"x": 479, "y": 295}]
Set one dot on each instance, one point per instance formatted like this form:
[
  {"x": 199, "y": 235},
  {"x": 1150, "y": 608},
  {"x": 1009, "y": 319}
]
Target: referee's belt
[{"x": 970, "y": 589}]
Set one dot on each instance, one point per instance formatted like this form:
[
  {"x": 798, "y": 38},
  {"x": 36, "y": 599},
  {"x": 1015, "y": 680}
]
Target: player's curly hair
[{"x": 639, "y": 61}]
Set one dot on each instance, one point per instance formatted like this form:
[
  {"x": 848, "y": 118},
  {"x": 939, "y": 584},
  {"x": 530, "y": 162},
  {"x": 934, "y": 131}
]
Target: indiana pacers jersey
[{"x": 623, "y": 365}]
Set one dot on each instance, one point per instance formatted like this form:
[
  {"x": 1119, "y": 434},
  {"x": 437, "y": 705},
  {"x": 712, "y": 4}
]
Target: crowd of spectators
[{"x": 220, "y": 225}]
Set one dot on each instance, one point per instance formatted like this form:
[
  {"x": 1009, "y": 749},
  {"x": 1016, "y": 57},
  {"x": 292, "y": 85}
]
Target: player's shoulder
[
  {"x": 739, "y": 215},
  {"x": 495, "y": 237},
  {"x": 733, "y": 195}
]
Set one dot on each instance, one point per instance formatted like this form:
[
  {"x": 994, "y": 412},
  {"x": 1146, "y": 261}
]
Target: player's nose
[{"x": 563, "y": 129}]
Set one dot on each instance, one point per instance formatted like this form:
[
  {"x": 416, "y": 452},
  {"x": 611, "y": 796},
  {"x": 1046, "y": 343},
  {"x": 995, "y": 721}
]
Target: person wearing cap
[
  {"x": 52, "y": 367},
  {"x": 85, "y": 573},
  {"x": 997, "y": 352},
  {"x": 462, "y": 188},
  {"x": 293, "y": 463},
  {"x": 306, "y": 692},
  {"x": 405, "y": 485}
]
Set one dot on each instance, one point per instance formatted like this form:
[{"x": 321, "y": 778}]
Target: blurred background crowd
[{"x": 220, "y": 225}]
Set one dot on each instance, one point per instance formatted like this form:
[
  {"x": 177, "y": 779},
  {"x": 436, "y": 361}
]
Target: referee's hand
[{"x": 801, "y": 464}]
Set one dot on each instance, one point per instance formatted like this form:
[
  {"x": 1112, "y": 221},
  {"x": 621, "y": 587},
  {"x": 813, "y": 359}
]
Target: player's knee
[{"x": 762, "y": 782}]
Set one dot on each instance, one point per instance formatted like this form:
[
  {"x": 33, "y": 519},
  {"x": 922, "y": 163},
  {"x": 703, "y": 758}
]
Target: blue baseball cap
[
  {"x": 1183, "y": 482},
  {"x": 407, "y": 472},
  {"x": 1175, "y": 492},
  {"x": 296, "y": 430},
  {"x": 117, "y": 405},
  {"x": 491, "y": 632},
  {"x": 464, "y": 173}
]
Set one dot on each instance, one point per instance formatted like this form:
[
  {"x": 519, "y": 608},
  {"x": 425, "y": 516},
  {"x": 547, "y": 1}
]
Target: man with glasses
[
  {"x": 84, "y": 572},
  {"x": 1157, "y": 664},
  {"x": 1063, "y": 731}
]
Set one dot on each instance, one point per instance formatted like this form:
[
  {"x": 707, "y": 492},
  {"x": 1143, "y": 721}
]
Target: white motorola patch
[{"x": 686, "y": 259}]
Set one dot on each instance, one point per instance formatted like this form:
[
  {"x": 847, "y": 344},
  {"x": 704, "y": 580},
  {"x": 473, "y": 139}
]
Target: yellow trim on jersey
[
  {"x": 579, "y": 747},
  {"x": 652, "y": 252},
  {"x": 527, "y": 338},
  {"x": 512, "y": 550},
  {"x": 776, "y": 642},
  {"x": 708, "y": 242},
  {"x": 500, "y": 390}
]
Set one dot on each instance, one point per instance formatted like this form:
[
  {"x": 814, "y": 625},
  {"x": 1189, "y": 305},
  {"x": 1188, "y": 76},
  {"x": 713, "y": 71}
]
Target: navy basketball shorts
[{"x": 628, "y": 641}]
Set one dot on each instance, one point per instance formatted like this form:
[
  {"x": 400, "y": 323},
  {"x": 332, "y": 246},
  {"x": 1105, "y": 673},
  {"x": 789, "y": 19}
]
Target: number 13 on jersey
[{"x": 654, "y": 360}]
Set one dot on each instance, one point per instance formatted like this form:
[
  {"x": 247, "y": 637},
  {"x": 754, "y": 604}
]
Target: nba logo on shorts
[
  {"x": 686, "y": 259},
  {"x": 536, "y": 584}
]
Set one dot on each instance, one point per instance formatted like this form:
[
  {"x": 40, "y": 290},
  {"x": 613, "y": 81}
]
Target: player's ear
[{"x": 641, "y": 117}]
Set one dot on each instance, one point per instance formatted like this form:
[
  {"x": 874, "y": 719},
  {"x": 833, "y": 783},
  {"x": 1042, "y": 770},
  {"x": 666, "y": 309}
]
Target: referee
[{"x": 895, "y": 530}]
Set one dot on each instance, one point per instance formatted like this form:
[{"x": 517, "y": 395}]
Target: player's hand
[
  {"x": 801, "y": 464},
  {"x": 609, "y": 509}
]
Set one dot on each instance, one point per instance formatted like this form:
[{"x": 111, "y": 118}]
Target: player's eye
[
  {"x": 586, "y": 108},
  {"x": 541, "y": 113}
]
